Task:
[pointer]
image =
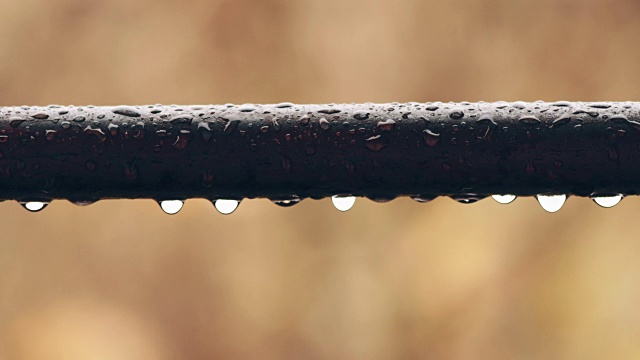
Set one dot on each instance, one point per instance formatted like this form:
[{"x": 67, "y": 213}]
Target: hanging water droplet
[
  {"x": 381, "y": 198},
  {"x": 287, "y": 202},
  {"x": 83, "y": 202},
  {"x": 504, "y": 199},
  {"x": 226, "y": 207},
  {"x": 423, "y": 198},
  {"x": 607, "y": 201},
  {"x": 34, "y": 206},
  {"x": 343, "y": 203},
  {"x": 468, "y": 198},
  {"x": 171, "y": 207},
  {"x": 551, "y": 203}
]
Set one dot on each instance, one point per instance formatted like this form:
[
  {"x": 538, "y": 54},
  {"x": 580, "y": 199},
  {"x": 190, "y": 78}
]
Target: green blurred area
[{"x": 401, "y": 280}]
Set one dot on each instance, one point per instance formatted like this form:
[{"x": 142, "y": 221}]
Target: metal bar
[{"x": 381, "y": 151}]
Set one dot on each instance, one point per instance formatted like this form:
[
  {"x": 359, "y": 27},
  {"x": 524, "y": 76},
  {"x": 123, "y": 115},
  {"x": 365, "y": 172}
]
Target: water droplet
[
  {"x": 563, "y": 120},
  {"x": 205, "y": 131},
  {"x": 329, "y": 111},
  {"x": 361, "y": 115},
  {"x": 83, "y": 202},
  {"x": 40, "y": 116},
  {"x": 275, "y": 124},
  {"x": 182, "y": 140},
  {"x": 487, "y": 120},
  {"x": 113, "y": 129},
  {"x": 287, "y": 202},
  {"x": 126, "y": 111},
  {"x": 607, "y": 201},
  {"x": 504, "y": 199},
  {"x": 34, "y": 206},
  {"x": 343, "y": 203},
  {"x": 600, "y": 105},
  {"x": 619, "y": 118},
  {"x": 171, "y": 207},
  {"x": 423, "y": 198},
  {"x": 50, "y": 134},
  {"x": 324, "y": 124},
  {"x": 14, "y": 122},
  {"x": 231, "y": 126},
  {"x": 468, "y": 198},
  {"x": 551, "y": 203},
  {"x": 137, "y": 131},
  {"x": 456, "y": 114},
  {"x": 529, "y": 120},
  {"x": 376, "y": 143},
  {"x": 431, "y": 138},
  {"x": 226, "y": 207},
  {"x": 98, "y": 133},
  {"x": 381, "y": 198},
  {"x": 590, "y": 113},
  {"x": 247, "y": 108},
  {"x": 519, "y": 105},
  {"x": 182, "y": 119},
  {"x": 386, "y": 125}
]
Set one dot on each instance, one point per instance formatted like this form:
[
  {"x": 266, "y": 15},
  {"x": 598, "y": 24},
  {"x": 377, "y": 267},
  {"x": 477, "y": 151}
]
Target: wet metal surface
[{"x": 284, "y": 151}]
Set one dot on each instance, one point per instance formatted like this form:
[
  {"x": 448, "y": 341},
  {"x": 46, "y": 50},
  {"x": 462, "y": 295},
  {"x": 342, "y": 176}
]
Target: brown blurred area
[{"x": 401, "y": 280}]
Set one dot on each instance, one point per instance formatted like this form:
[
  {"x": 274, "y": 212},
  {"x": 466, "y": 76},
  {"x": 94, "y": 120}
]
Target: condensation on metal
[{"x": 286, "y": 151}]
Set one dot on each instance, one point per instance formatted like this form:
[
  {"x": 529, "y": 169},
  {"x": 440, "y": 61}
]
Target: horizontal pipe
[{"x": 284, "y": 151}]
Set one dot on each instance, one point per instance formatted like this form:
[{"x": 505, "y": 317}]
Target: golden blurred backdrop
[{"x": 401, "y": 280}]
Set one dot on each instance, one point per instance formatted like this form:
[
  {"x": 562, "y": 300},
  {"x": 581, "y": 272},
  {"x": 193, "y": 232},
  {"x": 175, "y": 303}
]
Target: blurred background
[{"x": 401, "y": 280}]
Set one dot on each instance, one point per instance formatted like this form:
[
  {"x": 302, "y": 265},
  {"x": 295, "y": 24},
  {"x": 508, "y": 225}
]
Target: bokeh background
[{"x": 401, "y": 280}]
